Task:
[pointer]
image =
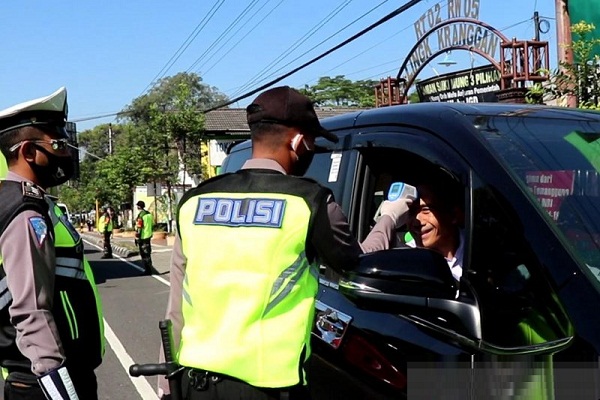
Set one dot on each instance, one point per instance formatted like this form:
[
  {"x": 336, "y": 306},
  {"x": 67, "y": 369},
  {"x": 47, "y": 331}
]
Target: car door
[
  {"x": 363, "y": 354},
  {"x": 518, "y": 321}
]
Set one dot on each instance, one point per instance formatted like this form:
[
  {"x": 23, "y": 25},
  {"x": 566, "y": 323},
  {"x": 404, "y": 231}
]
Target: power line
[
  {"x": 223, "y": 34},
  {"x": 391, "y": 15},
  {"x": 386, "y": 18},
  {"x": 236, "y": 32},
  {"x": 325, "y": 40},
  {"x": 191, "y": 37},
  {"x": 294, "y": 46}
]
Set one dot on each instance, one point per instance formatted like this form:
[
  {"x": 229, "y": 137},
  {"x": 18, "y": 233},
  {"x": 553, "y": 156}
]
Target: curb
[{"x": 122, "y": 251}]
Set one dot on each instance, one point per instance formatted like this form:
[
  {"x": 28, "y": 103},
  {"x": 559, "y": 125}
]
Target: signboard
[
  {"x": 474, "y": 85},
  {"x": 217, "y": 151},
  {"x": 550, "y": 187},
  {"x": 464, "y": 32},
  {"x": 588, "y": 11}
]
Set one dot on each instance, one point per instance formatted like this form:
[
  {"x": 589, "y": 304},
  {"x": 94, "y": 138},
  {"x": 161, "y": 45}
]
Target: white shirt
[{"x": 456, "y": 263}]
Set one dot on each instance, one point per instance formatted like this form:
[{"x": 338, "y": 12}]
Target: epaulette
[{"x": 32, "y": 190}]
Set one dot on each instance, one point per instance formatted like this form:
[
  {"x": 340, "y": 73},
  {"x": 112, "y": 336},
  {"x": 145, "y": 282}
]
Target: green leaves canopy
[
  {"x": 341, "y": 92},
  {"x": 158, "y": 134}
]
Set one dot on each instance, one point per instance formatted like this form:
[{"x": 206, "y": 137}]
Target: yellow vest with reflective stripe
[
  {"x": 102, "y": 226},
  {"x": 249, "y": 290},
  {"x": 75, "y": 266}
]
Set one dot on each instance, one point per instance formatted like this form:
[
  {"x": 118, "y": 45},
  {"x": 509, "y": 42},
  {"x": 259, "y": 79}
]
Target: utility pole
[
  {"x": 110, "y": 139},
  {"x": 564, "y": 41}
]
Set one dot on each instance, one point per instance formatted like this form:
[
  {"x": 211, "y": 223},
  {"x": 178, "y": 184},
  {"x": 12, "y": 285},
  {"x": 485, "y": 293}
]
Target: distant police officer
[
  {"x": 144, "y": 225},
  {"x": 51, "y": 337},
  {"x": 105, "y": 227},
  {"x": 245, "y": 264}
]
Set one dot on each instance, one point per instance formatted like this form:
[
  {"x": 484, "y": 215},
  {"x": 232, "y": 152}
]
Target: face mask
[
  {"x": 303, "y": 162},
  {"x": 301, "y": 165},
  {"x": 59, "y": 169}
]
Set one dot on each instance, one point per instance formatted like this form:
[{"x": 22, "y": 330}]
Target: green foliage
[
  {"x": 414, "y": 97},
  {"x": 165, "y": 93},
  {"x": 582, "y": 78},
  {"x": 341, "y": 92},
  {"x": 535, "y": 94},
  {"x": 157, "y": 133}
]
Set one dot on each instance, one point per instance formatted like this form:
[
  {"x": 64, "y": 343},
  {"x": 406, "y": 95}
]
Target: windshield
[{"x": 558, "y": 160}]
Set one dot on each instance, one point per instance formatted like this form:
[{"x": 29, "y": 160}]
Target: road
[{"x": 133, "y": 305}]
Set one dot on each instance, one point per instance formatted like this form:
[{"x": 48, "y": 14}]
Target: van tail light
[{"x": 361, "y": 354}]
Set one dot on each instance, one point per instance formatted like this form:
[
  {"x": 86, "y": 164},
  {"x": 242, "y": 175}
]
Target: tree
[
  {"x": 171, "y": 111},
  {"x": 158, "y": 133},
  {"x": 341, "y": 92},
  {"x": 171, "y": 127},
  {"x": 580, "y": 79},
  {"x": 107, "y": 178},
  {"x": 165, "y": 92},
  {"x": 413, "y": 97}
]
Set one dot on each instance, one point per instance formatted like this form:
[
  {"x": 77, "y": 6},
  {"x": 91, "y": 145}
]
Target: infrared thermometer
[{"x": 401, "y": 190}]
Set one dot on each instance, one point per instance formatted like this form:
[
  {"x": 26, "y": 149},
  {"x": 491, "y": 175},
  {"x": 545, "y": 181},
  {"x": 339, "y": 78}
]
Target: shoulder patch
[
  {"x": 40, "y": 228},
  {"x": 32, "y": 190}
]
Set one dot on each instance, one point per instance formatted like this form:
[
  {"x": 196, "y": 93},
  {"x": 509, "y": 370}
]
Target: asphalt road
[{"x": 133, "y": 305}]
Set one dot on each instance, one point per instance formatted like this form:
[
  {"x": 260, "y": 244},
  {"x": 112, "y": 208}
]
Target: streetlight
[{"x": 447, "y": 61}]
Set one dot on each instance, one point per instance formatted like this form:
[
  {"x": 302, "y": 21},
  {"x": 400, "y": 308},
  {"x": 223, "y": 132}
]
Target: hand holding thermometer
[{"x": 401, "y": 190}]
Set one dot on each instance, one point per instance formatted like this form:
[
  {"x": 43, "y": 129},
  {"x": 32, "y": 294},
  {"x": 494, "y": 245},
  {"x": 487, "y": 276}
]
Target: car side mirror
[
  {"x": 406, "y": 280},
  {"x": 405, "y": 271}
]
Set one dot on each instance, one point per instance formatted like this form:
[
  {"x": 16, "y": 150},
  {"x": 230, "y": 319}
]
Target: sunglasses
[{"x": 56, "y": 144}]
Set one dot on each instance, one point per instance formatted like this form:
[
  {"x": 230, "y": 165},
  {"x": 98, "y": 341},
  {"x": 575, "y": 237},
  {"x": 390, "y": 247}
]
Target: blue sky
[{"x": 108, "y": 53}]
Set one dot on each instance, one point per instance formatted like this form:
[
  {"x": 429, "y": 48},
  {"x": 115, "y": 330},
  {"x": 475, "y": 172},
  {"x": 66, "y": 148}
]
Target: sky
[{"x": 107, "y": 53}]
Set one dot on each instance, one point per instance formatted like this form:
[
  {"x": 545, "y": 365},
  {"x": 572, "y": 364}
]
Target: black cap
[
  {"x": 45, "y": 112},
  {"x": 286, "y": 106},
  {"x": 141, "y": 204}
]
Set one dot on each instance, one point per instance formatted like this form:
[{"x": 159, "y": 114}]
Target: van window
[
  {"x": 329, "y": 169},
  {"x": 518, "y": 305}
]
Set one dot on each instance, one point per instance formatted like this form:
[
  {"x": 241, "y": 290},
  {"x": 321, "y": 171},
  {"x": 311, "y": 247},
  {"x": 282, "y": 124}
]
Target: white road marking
[
  {"x": 157, "y": 277},
  {"x": 142, "y": 386}
]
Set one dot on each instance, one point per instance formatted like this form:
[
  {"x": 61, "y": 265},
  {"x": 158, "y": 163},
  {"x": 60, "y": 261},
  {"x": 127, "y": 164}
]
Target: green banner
[
  {"x": 587, "y": 11},
  {"x": 588, "y": 144}
]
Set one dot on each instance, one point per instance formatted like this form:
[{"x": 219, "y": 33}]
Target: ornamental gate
[{"x": 519, "y": 62}]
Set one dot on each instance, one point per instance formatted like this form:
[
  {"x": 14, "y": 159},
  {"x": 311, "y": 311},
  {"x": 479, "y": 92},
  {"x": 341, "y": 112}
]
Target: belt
[{"x": 200, "y": 380}]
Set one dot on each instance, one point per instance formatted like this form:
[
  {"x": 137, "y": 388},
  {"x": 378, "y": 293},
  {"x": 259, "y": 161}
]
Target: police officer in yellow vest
[
  {"x": 105, "y": 227},
  {"x": 51, "y": 328},
  {"x": 144, "y": 225},
  {"x": 245, "y": 263}
]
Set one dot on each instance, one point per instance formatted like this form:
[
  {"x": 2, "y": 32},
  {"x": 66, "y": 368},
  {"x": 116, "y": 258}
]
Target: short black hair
[
  {"x": 445, "y": 187},
  {"x": 268, "y": 134},
  {"x": 10, "y": 138}
]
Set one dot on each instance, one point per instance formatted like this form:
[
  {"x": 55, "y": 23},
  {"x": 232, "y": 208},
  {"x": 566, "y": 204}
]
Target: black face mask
[
  {"x": 59, "y": 169},
  {"x": 301, "y": 165}
]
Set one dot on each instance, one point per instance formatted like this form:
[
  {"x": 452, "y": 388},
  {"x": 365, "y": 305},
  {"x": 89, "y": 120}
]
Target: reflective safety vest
[
  {"x": 103, "y": 226},
  {"x": 144, "y": 224},
  {"x": 76, "y": 294},
  {"x": 249, "y": 289}
]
